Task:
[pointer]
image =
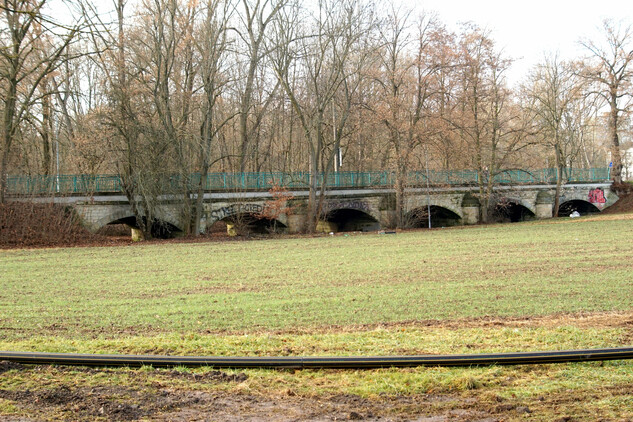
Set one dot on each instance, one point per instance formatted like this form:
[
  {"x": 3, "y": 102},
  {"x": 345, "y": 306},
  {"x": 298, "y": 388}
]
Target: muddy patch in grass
[
  {"x": 116, "y": 404},
  {"x": 7, "y": 366},
  {"x": 161, "y": 395},
  {"x": 211, "y": 376},
  {"x": 247, "y": 407},
  {"x": 125, "y": 404},
  {"x": 214, "y": 377},
  {"x": 112, "y": 403}
]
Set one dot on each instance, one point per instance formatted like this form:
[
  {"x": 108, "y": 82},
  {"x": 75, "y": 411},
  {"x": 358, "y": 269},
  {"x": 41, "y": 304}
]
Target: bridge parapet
[{"x": 263, "y": 181}]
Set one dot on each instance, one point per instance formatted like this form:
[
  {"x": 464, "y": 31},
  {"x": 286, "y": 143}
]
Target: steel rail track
[{"x": 349, "y": 362}]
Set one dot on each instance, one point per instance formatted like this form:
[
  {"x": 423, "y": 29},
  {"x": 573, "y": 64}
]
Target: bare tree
[
  {"x": 407, "y": 83},
  {"x": 446, "y": 140},
  {"x": 612, "y": 69},
  {"x": 256, "y": 17},
  {"x": 487, "y": 118},
  {"x": 212, "y": 44},
  {"x": 137, "y": 157},
  {"x": 555, "y": 93},
  {"x": 25, "y": 66},
  {"x": 164, "y": 54},
  {"x": 316, "y": 51}
]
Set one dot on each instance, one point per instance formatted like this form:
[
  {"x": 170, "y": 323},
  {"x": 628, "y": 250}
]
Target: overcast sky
[{"x": 526, "y": 30}]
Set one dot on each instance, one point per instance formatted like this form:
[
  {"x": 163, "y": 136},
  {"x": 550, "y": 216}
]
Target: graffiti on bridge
[
  {"x": 330, "y": 206},
  {"x": 596, "y": 196},
  {"x": 235, "y": 209}
]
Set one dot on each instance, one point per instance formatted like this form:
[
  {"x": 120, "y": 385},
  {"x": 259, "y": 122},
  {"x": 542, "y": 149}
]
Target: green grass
[
  {"x": 530, "y": 286},
  {"x": 511, "y": 270}
]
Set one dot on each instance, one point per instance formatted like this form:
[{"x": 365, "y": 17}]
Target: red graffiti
[{"x": 596, "y": 196}]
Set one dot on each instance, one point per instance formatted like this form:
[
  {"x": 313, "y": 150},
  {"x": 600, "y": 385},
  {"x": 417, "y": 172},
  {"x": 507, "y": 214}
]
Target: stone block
[
  {"x": 544, "y": 210},
  {"x": 326, "y": 227},
  {"x": 296, "y": 223},
  {"x": 137, "y": 235},
  {"x": 471, "y": 215}
]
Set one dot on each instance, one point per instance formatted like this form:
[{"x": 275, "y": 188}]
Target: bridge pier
[
  {"x": 544, "y": 205},
  {"x": 470, "y": 208},
  {"x": 296, "y": 222}
]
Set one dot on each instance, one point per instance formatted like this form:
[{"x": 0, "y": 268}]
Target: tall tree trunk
[
  {"x": 245, "y": 107},
  {"x": 7, "y": 135},
  {"x": 560, "y": 164},
  {"x": 205, "y": 152},
  {"x": 45, "y": 130},
  {"x": 399, "y": 188},
  {"x": 616, "y": 157},
  {"x": 313, "y": 216}
]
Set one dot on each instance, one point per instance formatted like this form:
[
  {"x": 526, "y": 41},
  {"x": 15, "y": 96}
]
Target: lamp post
[{"x": 428, "y": 186}]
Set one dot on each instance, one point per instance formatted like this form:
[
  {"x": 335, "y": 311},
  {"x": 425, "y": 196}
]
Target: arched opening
[
  {"x": 508, "y": 211},
  {"x": 120, "y": 229},
  {"x": 114, "y": 231},
  {"x": 440, "y": 217},
  {"x": 350, "y": 220},
  {"x": 248, "y": 223},
  {"x": 577, "y": 205},
  {"x": 164, "y": 230},
  {"x": 159, "y": 229},
  {"x": 217, "y": 229}
]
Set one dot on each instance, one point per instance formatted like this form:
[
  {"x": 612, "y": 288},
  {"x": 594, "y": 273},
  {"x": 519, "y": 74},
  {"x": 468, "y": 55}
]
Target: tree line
[{"x": 168, "y": 87}]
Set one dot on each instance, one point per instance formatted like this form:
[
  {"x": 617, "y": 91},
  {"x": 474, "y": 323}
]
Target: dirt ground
[
  {"x": 625, "y": 203},
  {"x": 123, "y": 404},
  {"x": 162, "y": 395},
  {"x": 138, "y": 403},
  {"x": 81, "y": 403}
]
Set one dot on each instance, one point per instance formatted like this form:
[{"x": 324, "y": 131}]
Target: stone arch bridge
[{"x": 358, "y": 209}]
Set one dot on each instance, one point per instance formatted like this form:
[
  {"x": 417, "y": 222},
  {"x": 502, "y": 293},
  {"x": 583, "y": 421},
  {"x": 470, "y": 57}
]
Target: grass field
[{"x": 542, "y": 285}]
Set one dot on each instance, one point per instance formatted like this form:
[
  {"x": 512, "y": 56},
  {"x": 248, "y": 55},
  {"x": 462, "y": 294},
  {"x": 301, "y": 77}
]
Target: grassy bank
[
  {"x": 512, "y": 270},
  {"x": 535, "y": 286}
]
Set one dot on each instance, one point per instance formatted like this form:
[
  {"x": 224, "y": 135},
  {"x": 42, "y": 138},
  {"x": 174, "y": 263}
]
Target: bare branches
[
  {"x": 31, "y": 52},
  {"x": 185, "y": 88},
  {"x": 612, "y": 69}
]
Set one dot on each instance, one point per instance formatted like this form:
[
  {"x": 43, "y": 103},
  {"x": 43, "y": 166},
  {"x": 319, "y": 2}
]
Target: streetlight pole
[
  {"x": 57, "y": 165},
  {"x": 428, "y": 186}
]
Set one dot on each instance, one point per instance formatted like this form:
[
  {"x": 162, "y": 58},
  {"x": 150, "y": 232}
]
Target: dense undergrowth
[{"x": 27, "y": 224}]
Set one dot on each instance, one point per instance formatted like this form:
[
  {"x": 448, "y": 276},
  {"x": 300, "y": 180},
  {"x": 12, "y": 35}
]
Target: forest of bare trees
[{"x": 171, "y": 87}]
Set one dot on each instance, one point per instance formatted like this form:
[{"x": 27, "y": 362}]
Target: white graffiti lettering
[
  {"x": 330, "y": 206},
  {"x": 236, "y": 209}
]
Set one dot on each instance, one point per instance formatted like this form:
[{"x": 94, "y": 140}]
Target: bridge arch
[
  {"x": 162, "y": 227},
  {"x": 247, "y": 222},
  {"x": 598, "y": 196},
  {"x": 350, "y": 220},
  {"x": 579, "y": 205},
  {"x": 245, "y": 218},
  {"x": 512, "y": 210},
  {"x": 348, "y": 215},
  {"x": 441, "y": 216}
]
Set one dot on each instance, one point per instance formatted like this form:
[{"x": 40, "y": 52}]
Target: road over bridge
[{"x": 359, "y": 206}]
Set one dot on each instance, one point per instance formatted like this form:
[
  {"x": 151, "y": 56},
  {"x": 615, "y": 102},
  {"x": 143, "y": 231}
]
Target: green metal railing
[{"x": 87, "y": 184}]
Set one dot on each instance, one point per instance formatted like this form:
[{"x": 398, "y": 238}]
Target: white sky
[{"x": 527, "y": 30}]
